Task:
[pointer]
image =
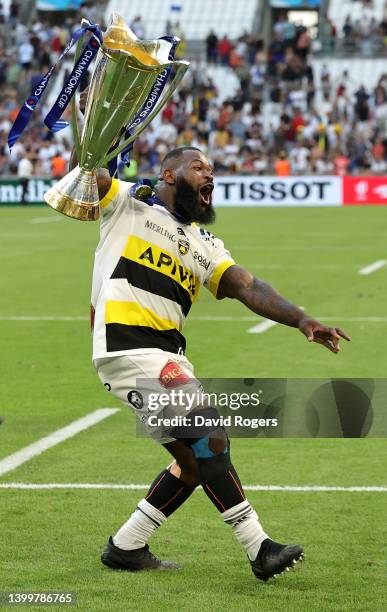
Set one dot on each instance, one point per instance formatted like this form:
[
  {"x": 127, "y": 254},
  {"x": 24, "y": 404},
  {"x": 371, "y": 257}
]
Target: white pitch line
[
  {"x": 29, "y": 452},
  {"x": 143, "y": 487},
  {"x": 215, "y": 319},
  {"x": 42, "y": 318},
  {"x": 37, "y": 220},
  {"x": 262, "y": 327},
  {"x": 377, "y": 265},
  {"x": 222, "y": 318}
]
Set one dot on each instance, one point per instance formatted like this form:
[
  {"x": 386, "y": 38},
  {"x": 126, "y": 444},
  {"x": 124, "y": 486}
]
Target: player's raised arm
[
  {"x": 262, "y": 299},
  {"x": 104, "y": 180}
]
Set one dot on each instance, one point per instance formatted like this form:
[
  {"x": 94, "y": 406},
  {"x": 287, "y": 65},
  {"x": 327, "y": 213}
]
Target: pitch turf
[{"x": 51, "y": 539}]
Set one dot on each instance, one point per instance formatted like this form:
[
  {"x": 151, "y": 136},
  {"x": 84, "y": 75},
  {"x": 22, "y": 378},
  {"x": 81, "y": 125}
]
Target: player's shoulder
[
  {"x": 206, "y": 237},
  {"x": 117, "y": 196},
  {"x": 116, "y": 190}
]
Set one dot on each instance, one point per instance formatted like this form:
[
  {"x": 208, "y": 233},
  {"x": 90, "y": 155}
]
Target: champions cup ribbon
[
  {"x": 78, "y": 72},
  {"x": 147, "y": 107},
  {"x": 32, "y": 101}
]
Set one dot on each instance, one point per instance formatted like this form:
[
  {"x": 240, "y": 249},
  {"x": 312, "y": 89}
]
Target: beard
[{"x": 188, "y": 203}]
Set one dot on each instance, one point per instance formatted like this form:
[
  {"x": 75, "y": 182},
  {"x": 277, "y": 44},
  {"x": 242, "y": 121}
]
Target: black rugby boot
[
  {"x": 134, "y": 560},
  {"x": 274, "y": 558}
]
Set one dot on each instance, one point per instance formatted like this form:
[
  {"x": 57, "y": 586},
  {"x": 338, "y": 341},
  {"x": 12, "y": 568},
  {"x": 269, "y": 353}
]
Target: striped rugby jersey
[{"x": 148, "y": 270}]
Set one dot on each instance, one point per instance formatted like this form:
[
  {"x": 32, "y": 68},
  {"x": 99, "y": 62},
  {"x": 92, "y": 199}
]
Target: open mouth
[{"x": 205, "y": 193}]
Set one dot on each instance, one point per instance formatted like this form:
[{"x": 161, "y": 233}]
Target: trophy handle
[{"x": 182, "y": 68}]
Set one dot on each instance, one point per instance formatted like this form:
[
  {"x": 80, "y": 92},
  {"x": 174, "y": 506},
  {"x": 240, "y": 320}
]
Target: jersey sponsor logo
[
  {"x": 135, "y": 399},
  {"x": 183, "y": 246},
  {"x": 207, "y": 236},
  {"x": 202, "y": 261},
  {"x": 172, "y": 375},
  {"x": 154, "y": 227},
  {"x": 159, "y": 260}
]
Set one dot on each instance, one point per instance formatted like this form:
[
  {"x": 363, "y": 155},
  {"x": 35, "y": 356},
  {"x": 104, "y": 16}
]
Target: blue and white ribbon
[{"x": 52, "y": 118}]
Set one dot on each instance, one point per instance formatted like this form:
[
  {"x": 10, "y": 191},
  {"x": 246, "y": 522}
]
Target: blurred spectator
[
  {"x": 299, "y": 158},
  {"x": 212, "y": 47},
  {"x": 341, "y": 163},
  {"x": 25, "y": 170},
  {"x": 282, "y": 164},
  {"x": 14, "y": 11},
  {"x": 58, "y": 166},
  {"x": 224, "y": 49},
  {"x": 26, "y": 53}
]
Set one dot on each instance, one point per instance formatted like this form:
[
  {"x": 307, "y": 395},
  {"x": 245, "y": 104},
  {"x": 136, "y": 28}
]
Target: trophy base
[{"x": 76, "y": 195}]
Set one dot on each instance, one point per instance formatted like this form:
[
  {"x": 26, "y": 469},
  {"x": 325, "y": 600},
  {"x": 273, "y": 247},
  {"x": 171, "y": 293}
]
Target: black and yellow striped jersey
[{"x": 148, "y": 271}]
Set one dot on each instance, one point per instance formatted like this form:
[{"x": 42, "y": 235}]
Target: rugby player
[{"x": 151, "y": 260}]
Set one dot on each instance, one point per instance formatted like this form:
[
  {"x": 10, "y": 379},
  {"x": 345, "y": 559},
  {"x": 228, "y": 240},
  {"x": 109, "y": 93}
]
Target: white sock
[
  {"x": 246, "y": 527},
  {"x": 136, "y": 532}
]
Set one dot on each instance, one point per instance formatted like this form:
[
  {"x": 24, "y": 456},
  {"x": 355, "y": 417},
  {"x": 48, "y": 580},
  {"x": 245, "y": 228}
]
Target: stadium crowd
[
  {"x": 283, "y": 119},
  {"x": 363, "y": 32}
]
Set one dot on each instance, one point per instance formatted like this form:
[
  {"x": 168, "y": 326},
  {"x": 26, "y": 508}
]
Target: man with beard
[{"x": 149, "y": 265}]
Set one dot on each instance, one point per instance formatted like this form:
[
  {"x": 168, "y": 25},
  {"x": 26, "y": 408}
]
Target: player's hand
[
  {"x": 314, "y": 331},
  {"x": 82, "y": 100}
]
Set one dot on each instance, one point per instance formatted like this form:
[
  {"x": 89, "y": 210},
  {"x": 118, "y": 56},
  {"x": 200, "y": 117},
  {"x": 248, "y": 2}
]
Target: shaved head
[{"x": 174, "y": 157}]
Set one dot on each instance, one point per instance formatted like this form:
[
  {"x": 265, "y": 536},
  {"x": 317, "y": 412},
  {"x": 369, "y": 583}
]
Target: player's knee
[
  {"x": 218, "y": 441},
  {"x": 212, "y": 455},
  {"x": 190, "y": 476},
  {"x": 187, "y": 471},
  {"x": 211, "y": 445}
]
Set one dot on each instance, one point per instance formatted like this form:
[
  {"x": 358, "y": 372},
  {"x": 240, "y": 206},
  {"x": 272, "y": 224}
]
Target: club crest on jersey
[
  {"x": 183, "y": 246},
  {"x": 135, "y": 399},
  {"x": 172, "y": 375}
]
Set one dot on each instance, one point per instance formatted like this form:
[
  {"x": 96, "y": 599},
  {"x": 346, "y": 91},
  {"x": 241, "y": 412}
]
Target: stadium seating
[
  {"x": 361, "y": 71},
  {"x": 196, "y": 17},
  {"x": 225, "y": 80},
  {"x": 338, "y": 11}
]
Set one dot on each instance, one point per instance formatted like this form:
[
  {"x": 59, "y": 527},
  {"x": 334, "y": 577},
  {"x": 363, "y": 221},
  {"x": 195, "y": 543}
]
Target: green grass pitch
[{"x": 51, "y": 539}]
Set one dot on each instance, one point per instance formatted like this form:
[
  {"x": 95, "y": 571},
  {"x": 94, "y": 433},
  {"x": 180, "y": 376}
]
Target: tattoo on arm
[
  {"x": 259, "y": 296},
  {"x": 262, "y": 299}
]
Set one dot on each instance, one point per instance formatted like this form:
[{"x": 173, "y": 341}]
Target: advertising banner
[
  {"x": 278, "y": 191},
  {"x": 269, "y": 191},
  {"x": 364, "y": 190},
  {"x": 11, "y": 190}
]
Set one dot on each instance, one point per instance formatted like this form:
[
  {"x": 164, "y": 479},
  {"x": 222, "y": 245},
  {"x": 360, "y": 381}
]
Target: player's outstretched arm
[
  {"x": 261, "y": 298},
  {"x": 104, "y": 180}
]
